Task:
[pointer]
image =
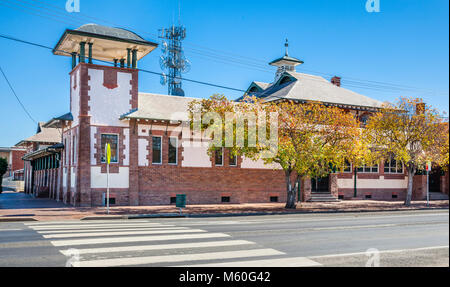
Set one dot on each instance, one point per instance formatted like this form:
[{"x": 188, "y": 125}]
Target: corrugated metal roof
[
  {"x": 161, "y": 107},
  {"x": 315, "y": 88}
]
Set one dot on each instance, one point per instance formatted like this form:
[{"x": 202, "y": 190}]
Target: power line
[
  {"x": 17, "y": 98},
  {"x": 110, "y": 63},
  {"x": 233, "y": 59}
]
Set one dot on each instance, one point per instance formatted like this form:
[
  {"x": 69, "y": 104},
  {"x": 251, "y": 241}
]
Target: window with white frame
[
  {"x": 233, "y": 159},
  {"x": 218, "y": 157},
  {"x": 173, "y": 150},
  {"x": 112, "y": 140},
  {"x": 157, "y": 150},
  {"x": 347, "y": 168},
  {"x": 368, "y": 169},
  {"x": 393, "y": 166}
]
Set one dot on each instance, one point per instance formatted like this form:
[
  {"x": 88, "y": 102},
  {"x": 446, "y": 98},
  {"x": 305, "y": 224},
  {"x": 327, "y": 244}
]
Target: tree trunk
[
  {"x": 411, "y": 172},
  {"x": 1, "y": 184},
  {"x": 290, "y": 202}
]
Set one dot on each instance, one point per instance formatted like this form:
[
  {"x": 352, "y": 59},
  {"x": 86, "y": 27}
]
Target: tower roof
[
  {"x": 286, "y": 60},
  {"x": 108, "y": 43}
]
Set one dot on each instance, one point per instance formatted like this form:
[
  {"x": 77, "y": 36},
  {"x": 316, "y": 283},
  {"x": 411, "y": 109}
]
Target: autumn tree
[
  {"x": 409, "y": 132},
  {"x": 311, "y": 139}
]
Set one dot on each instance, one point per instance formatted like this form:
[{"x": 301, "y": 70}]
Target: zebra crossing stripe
[
  {"x": 127, "y": 239},
  {"x": 102, "y": 234},
  {"x": 63, "y": 227},
  {"x": 109, "y": 230},
  {"x": 159, "y": 247},
  {"x": 112, "y": 262}
]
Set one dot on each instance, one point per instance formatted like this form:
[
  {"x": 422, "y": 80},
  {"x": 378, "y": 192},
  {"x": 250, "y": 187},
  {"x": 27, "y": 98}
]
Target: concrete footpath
[{"x": 22, "y": 207}]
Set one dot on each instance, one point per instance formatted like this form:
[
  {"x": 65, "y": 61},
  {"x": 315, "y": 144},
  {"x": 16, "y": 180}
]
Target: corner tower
[{"x": 103, "y": 86}]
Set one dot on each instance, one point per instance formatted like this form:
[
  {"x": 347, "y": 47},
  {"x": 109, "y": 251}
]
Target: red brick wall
[
  {"x": 419, "y": 187},
  {"x": 17, "y": 162},
  {"x": 444, "y": 183}
]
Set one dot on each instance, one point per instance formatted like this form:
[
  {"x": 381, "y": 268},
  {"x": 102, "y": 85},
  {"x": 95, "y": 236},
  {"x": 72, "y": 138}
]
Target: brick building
[
  {"x": 152, "y": 161},
  {"x": 13, "y": 155}
]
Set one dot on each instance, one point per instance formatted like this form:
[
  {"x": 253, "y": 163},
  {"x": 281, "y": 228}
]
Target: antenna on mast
[{"x": 172, "y": 61}]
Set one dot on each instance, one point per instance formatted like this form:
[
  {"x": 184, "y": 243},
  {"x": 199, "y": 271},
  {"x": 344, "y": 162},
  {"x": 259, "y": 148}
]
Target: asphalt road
[{"x": 414, "y": 238}]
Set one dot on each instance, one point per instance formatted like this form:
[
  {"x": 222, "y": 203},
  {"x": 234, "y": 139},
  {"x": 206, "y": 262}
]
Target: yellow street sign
[{"x": 108, "y": 153}]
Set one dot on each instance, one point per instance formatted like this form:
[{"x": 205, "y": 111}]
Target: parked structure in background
[
  {"x": 13, "y": 156},
  {"x": 151, "y": 162},
  {"x": 41, "y": 169}
]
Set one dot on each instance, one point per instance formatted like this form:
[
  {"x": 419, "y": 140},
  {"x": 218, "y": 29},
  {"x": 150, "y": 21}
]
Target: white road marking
[
  {"x": 381, "y": 251},
  {"x": 179, "y": 258},
  {"x": 64, "y": 227},
  {"x": 277, "y": 262},
  {"x": 160, "y": 247},
  {"x": 102, "y": 234},
  {"x": 359, "y": 216},
  {"x": 109, "y": 230},
  {"x": 136, "y": 239},
  {"x": 78, "y": 222}
]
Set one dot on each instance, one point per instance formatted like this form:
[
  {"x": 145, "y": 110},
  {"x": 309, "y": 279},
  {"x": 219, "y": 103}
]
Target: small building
[
  {"x": 41, "y": 168},
  {"x": 13, "y": 156},
  {"x": 151, "y": 159}
]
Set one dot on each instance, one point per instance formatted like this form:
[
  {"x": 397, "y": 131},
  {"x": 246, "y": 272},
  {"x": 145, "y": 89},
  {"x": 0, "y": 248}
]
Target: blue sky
[{"x": 230, "y": 43}]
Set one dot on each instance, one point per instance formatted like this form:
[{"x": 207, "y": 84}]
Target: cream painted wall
[
  {"x": 107, "y": 105},
  {"x": 116, "y": 180},
  {"x": 126, "y": 143},
  {"x": 75, "y": 97},
  {"x": 373, "y": 183},
  {"x": 195, "y": 156},
  {"x": 93, "y": 143},
  {"x": 142, "y": 152},
  {"x": 259, "y": 164}
]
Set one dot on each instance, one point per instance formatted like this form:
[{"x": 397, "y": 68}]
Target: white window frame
[
  {"x": 215, "y": 163},
  {"x": 176, "y": 152},
  {"x": 229, "y": 157},
  {"x": 371, "y": 167},
  {"x": 161, "y": 151},
  {"x": 118, "y": 145},
  {"x": 351, "y": 169},
  {"x": 396, "y": 167}
]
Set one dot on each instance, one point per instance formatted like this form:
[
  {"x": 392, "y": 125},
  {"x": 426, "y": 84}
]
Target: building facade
[
  {"x": 152, "y": 160},
  {"x": 13, "y": 156}
]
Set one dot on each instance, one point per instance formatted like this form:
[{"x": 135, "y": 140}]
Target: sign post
[
  {"x": 428, "y": 167},
  {"x": 108, "y": 161}
]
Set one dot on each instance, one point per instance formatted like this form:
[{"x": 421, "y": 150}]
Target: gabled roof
[
  {"x": 262, "y": 85},
  {"x": 305, "y": 87},
  {"x": 56, "y": 122},
  {"x": 43, "y": 135},
  {"x": 160, "y": 107}
]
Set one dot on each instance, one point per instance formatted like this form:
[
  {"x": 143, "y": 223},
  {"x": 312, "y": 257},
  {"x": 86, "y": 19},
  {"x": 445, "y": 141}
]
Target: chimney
[{"x": 336, "y": 81}]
